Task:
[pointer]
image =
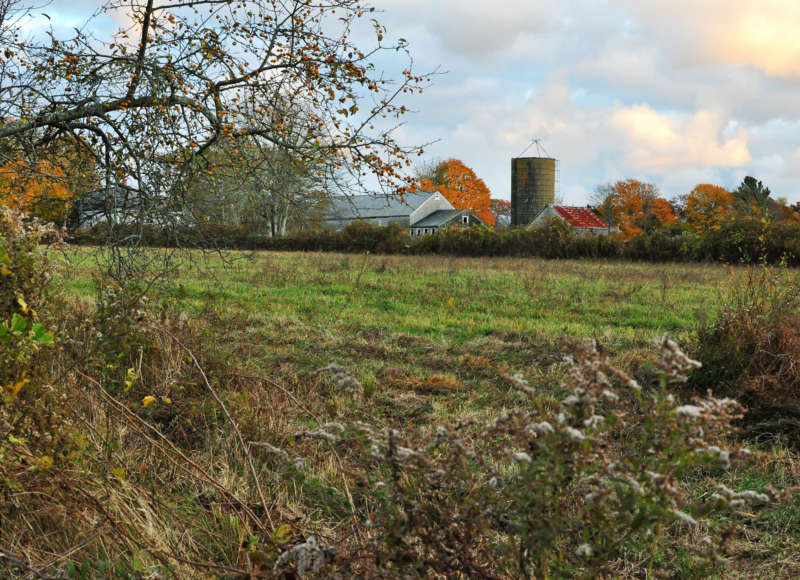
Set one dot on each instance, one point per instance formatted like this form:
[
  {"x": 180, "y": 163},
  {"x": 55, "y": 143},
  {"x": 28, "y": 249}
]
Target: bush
[
  {"x": 782, "y": 242},
  {"x": 752, "y": 350},
  {"x": 744, "y": 240},
  {"x": 738, "y": 241},
  {"x": 32, "y": 423},
  {"x": 558, "y": 494},
  {"x": 660, "y": 245}
]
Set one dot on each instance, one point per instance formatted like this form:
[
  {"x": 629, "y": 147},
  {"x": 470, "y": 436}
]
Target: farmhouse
[
  {"x": 582, "y": 220},
  {"x": 423, "y": 213}
]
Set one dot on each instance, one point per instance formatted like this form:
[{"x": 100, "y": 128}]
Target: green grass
[
  {"x": 276, "y": 311},
  {"x": 424, "y": 314},
  {"x": 455, "y": 300}
]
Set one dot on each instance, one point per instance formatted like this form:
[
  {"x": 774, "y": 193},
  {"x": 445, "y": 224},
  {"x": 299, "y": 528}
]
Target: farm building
[
  {"x": 582, "y": 220},
  {"x": 423, "y": 213}
]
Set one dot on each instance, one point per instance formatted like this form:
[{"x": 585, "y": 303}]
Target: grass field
[
  {"x": 429, "y": 339},
  {"x": 459, "y": 301},
  {"x": 425, "y": 314}
]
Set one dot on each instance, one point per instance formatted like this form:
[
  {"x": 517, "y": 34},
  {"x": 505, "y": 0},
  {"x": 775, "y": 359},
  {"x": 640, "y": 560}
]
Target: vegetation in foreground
[{"x": 322, "y": 415}]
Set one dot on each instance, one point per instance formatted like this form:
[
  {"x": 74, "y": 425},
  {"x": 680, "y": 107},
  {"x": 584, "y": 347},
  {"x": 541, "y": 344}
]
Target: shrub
[
  {"x": 743, "y": 240},
  {"x": 31, "y": 421},
  {"x": 782, "y": 242},
  {"x": 558, "y": 494},
  {"x": 25, "y": 267},
  {"x": 737, "y": 241},
  {"x": 752, "y": 350},
  {"x": 658, "y": 245}
]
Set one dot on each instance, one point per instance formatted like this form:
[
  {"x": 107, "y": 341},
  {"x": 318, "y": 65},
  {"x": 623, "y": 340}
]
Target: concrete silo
[{"x": 533, "y": 186}]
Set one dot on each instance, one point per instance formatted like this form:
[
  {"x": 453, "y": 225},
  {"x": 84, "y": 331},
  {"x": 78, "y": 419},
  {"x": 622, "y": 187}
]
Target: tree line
[{"x": 635, "y": 207}]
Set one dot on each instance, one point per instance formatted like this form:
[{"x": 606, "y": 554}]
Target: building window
[{"x": 465, "y": 219}]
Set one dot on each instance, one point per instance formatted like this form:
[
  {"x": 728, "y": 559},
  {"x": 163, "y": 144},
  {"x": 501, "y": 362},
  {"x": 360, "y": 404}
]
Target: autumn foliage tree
[
  {"x": 633, "y": 206},
  {"x": 459, "y": 184},
  {"x": 501, "y": 210},
  {"x": 708, "y": 207},
  {"x": 37, "y": 189}
]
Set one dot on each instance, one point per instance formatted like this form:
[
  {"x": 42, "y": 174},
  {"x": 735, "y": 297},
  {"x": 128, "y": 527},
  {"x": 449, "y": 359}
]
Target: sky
[{"x": 674, "y": 92}]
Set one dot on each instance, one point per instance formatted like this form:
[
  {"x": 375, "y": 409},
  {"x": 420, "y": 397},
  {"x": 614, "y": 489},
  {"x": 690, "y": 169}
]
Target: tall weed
[{"x": 752, "y": 350}]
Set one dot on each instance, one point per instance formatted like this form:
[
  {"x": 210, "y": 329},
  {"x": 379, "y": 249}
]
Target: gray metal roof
[
  {"x": 438, "y": 218},
  {"x": 346, "y": 207}
]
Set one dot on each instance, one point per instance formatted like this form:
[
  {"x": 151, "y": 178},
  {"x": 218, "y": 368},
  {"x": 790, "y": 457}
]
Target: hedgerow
[{"x": 743, "y": 240}]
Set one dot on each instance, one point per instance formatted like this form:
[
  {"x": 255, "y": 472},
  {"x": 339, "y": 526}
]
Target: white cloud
[
  {"x": 479, "y": 30},
  {"x": 761, "y": 34},
  {"x": 657, "y": 143}
]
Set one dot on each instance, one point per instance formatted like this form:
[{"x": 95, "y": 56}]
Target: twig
[
  {"x": 72, "y": 550},
  {"x": 245, "y": 448},
  {"x": 158, "y": 554},
  {"x": 12, "y": 562},
  {"x": 319, "y": 422}
]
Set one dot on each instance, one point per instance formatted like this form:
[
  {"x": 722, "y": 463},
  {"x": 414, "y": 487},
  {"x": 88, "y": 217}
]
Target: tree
[
  {"x": 37, "y": 189},
  {"x": 633, "y": 206},
  {"x": 181, "y": 76},
  {"x": 249, "y": 182},
  {"x": 459, "y": 184},
  {"x": 753, "y": 196},
  {"x": 708, "y": 207},
  {"x": 501, "y": 210}
]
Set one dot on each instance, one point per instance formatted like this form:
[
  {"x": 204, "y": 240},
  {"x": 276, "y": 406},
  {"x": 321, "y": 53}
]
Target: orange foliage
[
  {"x": 708, "y": 207},
  {"x": 459, "y": 184},
  {"x": 661, "y": 210},
  {"x": 37, "y": 189},
  {"x": 633, "y": 205}
]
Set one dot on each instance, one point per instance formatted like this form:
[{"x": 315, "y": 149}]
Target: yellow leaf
[
  {"x": 22, "y": 304},
  {"x": 283, "y": 534},
  {"x": 148, "y": 400},
  {"x": 167, "y": 400},
  {"x": 13, "y": 390},
  {"x": 119, "y": 473},
  {"x": 45, "y": 462},
  {"x": 5, "y": 271}
]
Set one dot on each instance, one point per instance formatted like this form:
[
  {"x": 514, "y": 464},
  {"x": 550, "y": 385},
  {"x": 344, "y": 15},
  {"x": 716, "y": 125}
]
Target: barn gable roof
[
  {"x": 438, "y": 218},
  {"x": 580, "y": 217},
  {"x": 347, "y": 207}
]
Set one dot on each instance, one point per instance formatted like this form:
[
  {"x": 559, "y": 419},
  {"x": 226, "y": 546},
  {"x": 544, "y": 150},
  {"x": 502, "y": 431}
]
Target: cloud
[
  {"x": 478, "y": 30},
  {"x": 732, "y": 32},
  {"x": 656, "y": 143},
  {"x": 676, "y": 92}
]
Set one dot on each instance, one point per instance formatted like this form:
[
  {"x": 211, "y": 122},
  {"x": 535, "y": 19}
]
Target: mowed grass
[{"x": 432, "y": 338}]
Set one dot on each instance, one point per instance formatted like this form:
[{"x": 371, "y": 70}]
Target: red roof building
[{"x": 582, "y": 220}]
